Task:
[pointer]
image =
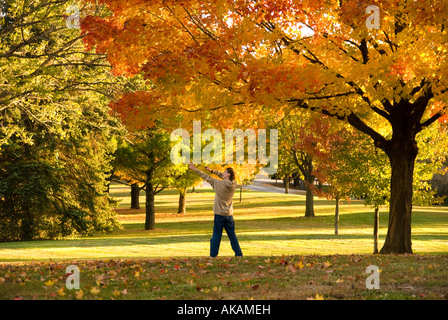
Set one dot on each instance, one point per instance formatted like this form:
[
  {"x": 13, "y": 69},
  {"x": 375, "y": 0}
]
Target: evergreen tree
[{"x": 56, "y": 133}]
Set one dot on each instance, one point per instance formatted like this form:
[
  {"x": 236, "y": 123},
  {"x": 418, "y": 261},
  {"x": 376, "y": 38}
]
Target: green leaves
[{"x": 56, "y": 135}]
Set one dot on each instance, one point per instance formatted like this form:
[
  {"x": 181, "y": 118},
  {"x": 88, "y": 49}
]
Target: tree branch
[
  {"x": 432, "y": 119},
  {"x": 353, "y": 120}
]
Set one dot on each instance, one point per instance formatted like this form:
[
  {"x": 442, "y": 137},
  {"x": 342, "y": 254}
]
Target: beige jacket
[{"x": 224, "y": 191}]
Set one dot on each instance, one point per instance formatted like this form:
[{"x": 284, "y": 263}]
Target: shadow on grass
[
  {"x": 247, "y": 230},
  {"x": 168, "y": 240}
]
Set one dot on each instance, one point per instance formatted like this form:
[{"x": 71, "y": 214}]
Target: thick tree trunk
[
  {"x": 135, "y": 196},
  {"x": 286, "y": 184},
  {"x": 150, "y": 208},
  {"x": 305, "y": 166},
  {"x": 309, "y": 205},
  {"x": 376, "y": 224},
  {"x": 182, "y": 203},
  {"x": 26, "y": 230},
  {"x": 402, "y": 155}
]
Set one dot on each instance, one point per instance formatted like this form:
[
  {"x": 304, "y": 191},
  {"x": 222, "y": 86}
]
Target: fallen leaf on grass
[
  {"x": 317, "y": 297},
  {"x": 79, "y": 294},
  {"x": 61, "y": 292},
  {"x": 49, "y": 283},
  {"x": 291, "y": 268},
  {"x": 94, "y": 290}
]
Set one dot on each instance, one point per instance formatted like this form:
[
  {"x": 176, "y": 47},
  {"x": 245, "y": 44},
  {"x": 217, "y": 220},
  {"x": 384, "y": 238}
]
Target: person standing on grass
[{"x": 222, "y": 208}]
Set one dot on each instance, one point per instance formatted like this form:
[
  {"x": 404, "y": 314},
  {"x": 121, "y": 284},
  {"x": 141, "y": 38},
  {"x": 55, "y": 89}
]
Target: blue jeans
[{"x": 224, "y": 222}]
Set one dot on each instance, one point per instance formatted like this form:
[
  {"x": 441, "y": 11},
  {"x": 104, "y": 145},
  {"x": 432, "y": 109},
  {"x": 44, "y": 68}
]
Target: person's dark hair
[{"x": 232, "y": 173}]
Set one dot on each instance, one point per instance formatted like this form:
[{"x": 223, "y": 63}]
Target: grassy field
[
  {"x": 247, "y": 278},
  {"x": 266, "y": 224},
  {"x": 286, "y": 256}
]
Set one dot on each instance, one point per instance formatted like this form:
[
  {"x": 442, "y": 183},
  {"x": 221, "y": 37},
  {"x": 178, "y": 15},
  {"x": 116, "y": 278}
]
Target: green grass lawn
[
  {"x": 267, "y": 224},
  {"x": 286, "y": 256}
]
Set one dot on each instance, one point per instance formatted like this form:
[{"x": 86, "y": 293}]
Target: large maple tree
[{"x": 229, "y": 59}]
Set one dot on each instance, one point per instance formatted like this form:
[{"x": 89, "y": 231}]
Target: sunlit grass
[{"x": 267, "y": 224}]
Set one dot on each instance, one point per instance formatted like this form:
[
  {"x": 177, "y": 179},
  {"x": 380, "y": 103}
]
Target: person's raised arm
[
  {"x": 218, "y": 173},
  {"x": 203, "y": 175}
]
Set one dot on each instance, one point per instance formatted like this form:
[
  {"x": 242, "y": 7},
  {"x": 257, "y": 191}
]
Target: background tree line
[
  {"x": 57, "y": 136},
  {"x": 60, "y": 142}
]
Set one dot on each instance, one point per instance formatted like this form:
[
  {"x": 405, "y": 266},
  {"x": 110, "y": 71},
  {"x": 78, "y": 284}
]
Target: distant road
[{"x": 265, "y": 184}]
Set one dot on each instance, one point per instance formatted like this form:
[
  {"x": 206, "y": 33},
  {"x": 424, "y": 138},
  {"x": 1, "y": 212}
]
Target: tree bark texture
[
  {"x": 402, "y": 155},
  {"x": 286, "y": 184},
  {"x": 150, "y": 208},
  {"x": 376, "y": 224},
  {"x": 309, "y": 205},
  {"x": 336, "y": 217},
  {"x": 135, "y": 196},
  {"x": 182, "y": 203}
]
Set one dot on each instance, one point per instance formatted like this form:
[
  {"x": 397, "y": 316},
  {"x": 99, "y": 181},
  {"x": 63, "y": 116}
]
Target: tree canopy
[
  {"x": 56, "y": 135},
  {"x": 234, "y": 56}
]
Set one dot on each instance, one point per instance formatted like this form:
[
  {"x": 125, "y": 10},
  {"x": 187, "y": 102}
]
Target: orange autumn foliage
[{"x": 233, "y": 62}]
